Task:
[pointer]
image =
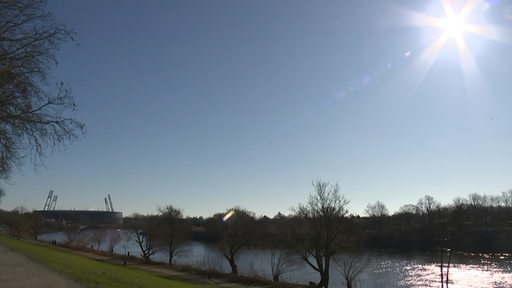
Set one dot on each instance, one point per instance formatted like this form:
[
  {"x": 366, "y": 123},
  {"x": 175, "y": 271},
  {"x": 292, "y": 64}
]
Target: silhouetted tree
[
  {"x": 280, "y": 263},
  {"x": 323, "y": 231},
  {"x": 145, "y": 235},
  {"x": 495, "y": 200},
  {"x": 97, "y": 236},
  {"x": 377, "y": 209},
  {"x": 34, "y": 118},
  {"x": 459, "y": 202},
  {"x": 75, "y": 236},
  {"x": 477, "y": 200},
  {"x": 408, "y": 209},
  {"x": 113, "y": 238},
  {"x": 506, "y": 196},
  {"x": 235, "y": 229},
  {"x": 173, "y": 229},
  {"x": 350, "y": 268},
  {"x": 427, "y": 205}
]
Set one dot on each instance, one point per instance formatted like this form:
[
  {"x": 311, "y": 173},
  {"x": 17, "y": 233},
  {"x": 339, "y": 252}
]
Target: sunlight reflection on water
[{"x": 385, "y": 271}]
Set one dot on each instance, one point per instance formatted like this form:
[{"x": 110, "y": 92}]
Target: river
[{"x": 383, "y": 270}]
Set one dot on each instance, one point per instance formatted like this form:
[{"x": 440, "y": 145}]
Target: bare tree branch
[
  {"x": 323, "y": 227},
  {"x": 35, "y": 119}
]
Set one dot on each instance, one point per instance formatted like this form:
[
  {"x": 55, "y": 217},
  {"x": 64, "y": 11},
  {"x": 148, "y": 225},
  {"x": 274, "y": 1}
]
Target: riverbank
[{"x": 98, "y": 269}]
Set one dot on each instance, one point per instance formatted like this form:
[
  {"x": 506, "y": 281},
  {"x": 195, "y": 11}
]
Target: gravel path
[{"x": 18, "y": 271}]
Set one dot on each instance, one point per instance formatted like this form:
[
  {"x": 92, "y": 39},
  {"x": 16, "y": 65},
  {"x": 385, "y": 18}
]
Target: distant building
[{"x": 82, "y": 217}]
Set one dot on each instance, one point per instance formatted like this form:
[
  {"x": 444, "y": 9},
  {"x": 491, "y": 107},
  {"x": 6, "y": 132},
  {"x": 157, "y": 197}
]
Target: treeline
[
  {"x": 321, "y": 229},
  {"x": 478, "y": 223},
  {"x": 318, "y": 231}
]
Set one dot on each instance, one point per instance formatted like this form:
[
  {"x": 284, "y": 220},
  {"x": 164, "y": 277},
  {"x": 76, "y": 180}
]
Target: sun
[
  {"x": 454, "y": 26},
  {"x": 452, "y": 21}
]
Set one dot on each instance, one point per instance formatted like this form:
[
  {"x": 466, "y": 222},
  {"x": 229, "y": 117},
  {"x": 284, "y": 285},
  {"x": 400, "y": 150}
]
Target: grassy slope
[{"x": 90, "y": 272}]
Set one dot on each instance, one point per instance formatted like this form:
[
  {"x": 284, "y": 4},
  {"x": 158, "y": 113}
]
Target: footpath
[{"x": 18, "y": 271}]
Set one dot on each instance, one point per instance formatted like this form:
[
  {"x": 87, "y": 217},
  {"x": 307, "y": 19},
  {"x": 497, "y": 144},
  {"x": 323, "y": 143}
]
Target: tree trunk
[
  {"x": 349, "y": 282},
  {"x": 324, "y": 279},
  {"x": 234, "y": 268}
]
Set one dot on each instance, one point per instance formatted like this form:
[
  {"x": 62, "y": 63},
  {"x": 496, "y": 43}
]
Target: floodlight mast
[
  {"x": 54, "y": 202},
  {"x": 110, "y": 201},
  {"x": 48, "y": 202}
]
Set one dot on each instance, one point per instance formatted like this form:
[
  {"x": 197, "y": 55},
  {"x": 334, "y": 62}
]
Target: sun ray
[
  {"x": 423, "y": 64},
  {"x": 473, "y": 79},
  {"x": 468, "y": 8},
  {"x": 448, "y": 8},
  {"x": 420, "y": 19},
  {"x": 454, "y": 23},
  {"x": 486, "y": 31},
  {"x": 467, "y": 62}
]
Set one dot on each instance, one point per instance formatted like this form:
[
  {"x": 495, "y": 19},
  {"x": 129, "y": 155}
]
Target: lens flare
[{"x": 228, "y": 215}]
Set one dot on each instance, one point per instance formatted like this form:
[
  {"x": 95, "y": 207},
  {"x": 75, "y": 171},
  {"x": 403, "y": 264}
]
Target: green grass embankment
[{"x": 91, "y": 272}]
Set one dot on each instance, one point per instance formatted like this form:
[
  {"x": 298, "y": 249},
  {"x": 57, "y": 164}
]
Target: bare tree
[
  {"x": 323, "y": 217},
  {"x": 377, "y": 209},
  {"x": 459, "y": 202},
  {"x": 143, "y": 239},
  {"x": 113, "y": 238},
  {"x": 34, "y": 117},
  {"x": 506, "y": 195},
  {"x": 496, "y": 200},
  {"x": 427, "y": 204},
  {"x": 173, "y": 230},
  {"x": 97, "y": 236},
  {"x": 235, "y": 230},
  {"x": 145, "y": 235},
  {"x": 408, "y": 209},
  {"x": 351, "y": 268},
  {"x": 75, "y": 236},
  {"x": 280, "y": 263},
  {"x": 477, "y": 200}
]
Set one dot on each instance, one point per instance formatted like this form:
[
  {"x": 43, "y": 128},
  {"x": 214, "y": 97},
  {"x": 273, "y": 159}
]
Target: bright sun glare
[{"x": 454, "y": 23}]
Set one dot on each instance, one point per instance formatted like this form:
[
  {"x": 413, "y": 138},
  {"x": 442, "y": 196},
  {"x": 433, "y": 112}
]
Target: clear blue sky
[{"x": 209, "y": 104}]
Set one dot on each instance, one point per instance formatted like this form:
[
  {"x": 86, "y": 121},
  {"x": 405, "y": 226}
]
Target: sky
[{"x": 205, "y": 105}]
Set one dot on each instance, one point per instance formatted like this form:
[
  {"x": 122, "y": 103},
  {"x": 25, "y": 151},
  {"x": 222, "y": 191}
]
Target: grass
[{"x": 90, "y": 272}]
